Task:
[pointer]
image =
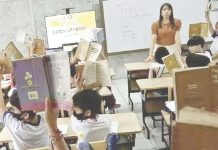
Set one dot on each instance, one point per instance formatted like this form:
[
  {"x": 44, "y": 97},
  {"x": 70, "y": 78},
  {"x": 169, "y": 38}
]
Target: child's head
[
  {"x": 86, "y": 104},
  {"x": 14, "y": 107},
  {"x": 195, "y": 44},
  {"x": 160, "y": 53},
  {"x": 197, "y": 60}
]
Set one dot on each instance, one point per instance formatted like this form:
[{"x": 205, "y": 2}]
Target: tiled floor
[{"x": 120, "y": 91}]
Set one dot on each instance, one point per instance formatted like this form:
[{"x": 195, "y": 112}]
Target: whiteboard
[
  {"x": 128, "y": 22},
  {"x": 70, "y": 28}
]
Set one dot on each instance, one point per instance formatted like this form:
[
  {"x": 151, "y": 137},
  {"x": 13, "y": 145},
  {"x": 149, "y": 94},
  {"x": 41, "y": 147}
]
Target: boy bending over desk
[
  {"x": 86, "y": 120},
  {"x": 28, "y": 129}
]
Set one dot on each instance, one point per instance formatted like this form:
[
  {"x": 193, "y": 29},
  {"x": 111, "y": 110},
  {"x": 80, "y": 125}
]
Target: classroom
[{"x": 109, "y": 74}]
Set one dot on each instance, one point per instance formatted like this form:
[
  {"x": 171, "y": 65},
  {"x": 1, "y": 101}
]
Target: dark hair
[
  {"x": 14, "y": 101},
  {"x": 196, "y": 40},
  {"x": 172, "y": 22},
  {"x": 88, "y": 100},
  {"x": 160, "y": 53},
  {"x": 197, "y": 60}
]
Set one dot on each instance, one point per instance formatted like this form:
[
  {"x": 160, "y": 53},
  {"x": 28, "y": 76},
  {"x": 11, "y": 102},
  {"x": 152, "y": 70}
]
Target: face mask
[
  {"x": 79, "y": 116},
  {"x": 17, "y": 116}
]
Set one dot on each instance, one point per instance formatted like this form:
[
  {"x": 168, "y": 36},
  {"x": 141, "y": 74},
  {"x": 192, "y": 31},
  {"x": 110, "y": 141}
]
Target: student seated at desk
[
  {"x": 196, "y": 44},
  {"x": 28, "y": 129},
  {"x": 86, "y": 120}
]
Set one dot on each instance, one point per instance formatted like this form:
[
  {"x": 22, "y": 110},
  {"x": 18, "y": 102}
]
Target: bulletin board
[
  {"x": 128, "y": 22},
  {"x": 70, "y": 28}
]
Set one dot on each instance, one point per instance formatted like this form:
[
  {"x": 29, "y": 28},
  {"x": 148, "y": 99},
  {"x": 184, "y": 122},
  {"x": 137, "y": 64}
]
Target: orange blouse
[{"x": 166, "y": 35}]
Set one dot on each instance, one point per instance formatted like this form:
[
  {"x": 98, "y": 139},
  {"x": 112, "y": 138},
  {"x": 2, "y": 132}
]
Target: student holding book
[
  {"x": 28, "y": 129},
  {"x": 195, "y": 45},
  {"x": 165, "y": 32},
  {"x": 214, "y": 34}
]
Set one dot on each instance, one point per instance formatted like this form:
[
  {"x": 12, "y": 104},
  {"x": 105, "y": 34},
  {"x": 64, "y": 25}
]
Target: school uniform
[
  {"x": 25, "y": 135},
  {"x": 92, "y": 129}
]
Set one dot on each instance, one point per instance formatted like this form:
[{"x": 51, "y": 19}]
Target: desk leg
[
  {"x": 143, "y": 115},
  {"x": 129, "y": 90}
]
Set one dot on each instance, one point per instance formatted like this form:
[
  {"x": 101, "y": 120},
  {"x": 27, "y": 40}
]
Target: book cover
[
  {"x": 31, "y": 83},
  {"x": 171, "y": 62},
  {"x": 191, "y": 88},
  {"x": 198, "y": 29},
  {"x": 97, "y": 72},
  {"x": 12, "y": 52},
  {"x": 41, "y": 77},
  {"x": 57, "y": 68},
  {"x": 39, "y": 47}
]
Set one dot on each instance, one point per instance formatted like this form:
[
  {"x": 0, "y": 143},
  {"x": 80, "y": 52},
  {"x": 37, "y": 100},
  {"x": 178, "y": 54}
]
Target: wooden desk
[
  {"x": 154, "y": 84},
  {"x": 133, "y": 68},
  {"x": 127, "y": 124}
]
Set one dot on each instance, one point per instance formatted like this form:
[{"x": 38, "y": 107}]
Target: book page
[
  {"x": 4, "y": 61},
  {"x": 12, "y": 52},
  {"x": 89, "y": 73},
  {"x": 58, "y": 77},
  {"x": 93, "y": 52},
  {"x": 103, "y": 73},
  {"x": 82, "y": 50}
]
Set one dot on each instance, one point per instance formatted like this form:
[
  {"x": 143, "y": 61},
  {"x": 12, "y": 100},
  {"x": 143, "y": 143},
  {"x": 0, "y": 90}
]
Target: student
[
  {"x": 86, "y": 120},
  {"x": 160, "y": 53},
  {"x": 196, "y": 60},
  {"x": 165, "y": 32},
  {"x": 28, "y": 129},
  {"x": 195, "y": 45},
  {"x": 214, "y": 34}
]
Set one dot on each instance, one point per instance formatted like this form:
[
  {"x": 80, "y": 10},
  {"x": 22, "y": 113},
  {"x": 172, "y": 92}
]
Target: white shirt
[
  {"x": 206, "y": 53},
  {"x": 26, "y": 136},
  {"x": 92, "y": 130},
  {"x": 214, "y": 45}
]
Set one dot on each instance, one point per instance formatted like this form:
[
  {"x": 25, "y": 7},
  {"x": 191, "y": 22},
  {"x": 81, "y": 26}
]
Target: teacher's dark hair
[{"x": 172, "y": 22}]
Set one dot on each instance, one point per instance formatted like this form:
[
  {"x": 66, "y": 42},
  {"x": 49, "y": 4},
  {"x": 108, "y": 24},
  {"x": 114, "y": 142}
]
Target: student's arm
[
  {"x": 2, "y": 103},
  {"x": 51, "y": 114},
  {"x": 178, "y": 41},
  {"x": 207, "y": 12},
  {"x": 151, "y": 52}
]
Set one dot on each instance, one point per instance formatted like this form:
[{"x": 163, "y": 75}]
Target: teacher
[{"x": 165, "y": 32}]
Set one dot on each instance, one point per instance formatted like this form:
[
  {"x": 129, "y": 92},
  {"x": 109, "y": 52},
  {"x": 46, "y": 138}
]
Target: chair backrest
[{"x": 96, "y": 145}]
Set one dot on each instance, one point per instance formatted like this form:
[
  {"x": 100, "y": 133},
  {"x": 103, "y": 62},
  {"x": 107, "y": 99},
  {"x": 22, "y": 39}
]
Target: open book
[
  {"x": 41, "y": 77},
  {"x": 88, "y": 51},
  {"x": 97, "y": 72},
  {"x": 196, "y": 87},
  {"x": 12, "y": 52},
  {"x": 198, "y": 29}
]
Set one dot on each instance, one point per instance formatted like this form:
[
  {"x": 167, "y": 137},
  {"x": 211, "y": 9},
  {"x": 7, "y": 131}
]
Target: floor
[{"x": 120, "y": 91}]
